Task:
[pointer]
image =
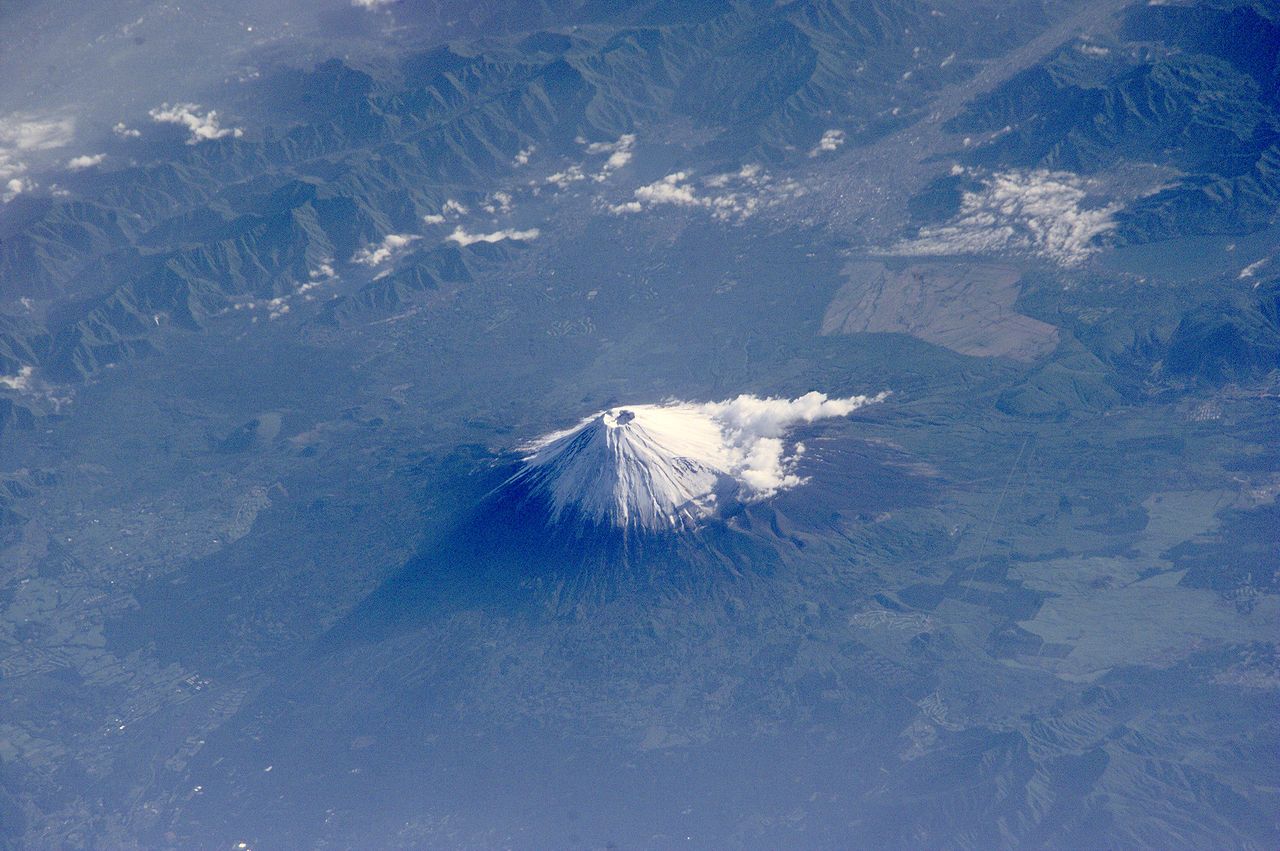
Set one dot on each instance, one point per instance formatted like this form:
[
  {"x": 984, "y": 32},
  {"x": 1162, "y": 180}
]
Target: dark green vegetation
[{"x": 252, "y": 583}]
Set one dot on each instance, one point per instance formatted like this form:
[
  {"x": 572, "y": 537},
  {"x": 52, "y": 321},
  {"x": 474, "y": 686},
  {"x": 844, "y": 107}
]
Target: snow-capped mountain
[{"x": 666, "y": 466}]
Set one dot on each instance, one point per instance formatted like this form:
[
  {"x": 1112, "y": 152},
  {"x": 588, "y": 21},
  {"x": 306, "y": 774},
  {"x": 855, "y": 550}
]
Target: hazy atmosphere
[{"x": 584, "y": 424}]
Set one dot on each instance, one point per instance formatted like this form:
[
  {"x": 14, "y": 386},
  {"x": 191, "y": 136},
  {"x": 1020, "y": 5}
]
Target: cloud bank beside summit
[{"x": 665, "y": 465}]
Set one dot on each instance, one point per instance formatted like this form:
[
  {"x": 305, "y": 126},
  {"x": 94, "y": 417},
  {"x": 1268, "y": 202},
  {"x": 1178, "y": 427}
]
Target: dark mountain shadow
[
  {"x": 471, "y": 681},
  {"x": 507, "y": 557}
]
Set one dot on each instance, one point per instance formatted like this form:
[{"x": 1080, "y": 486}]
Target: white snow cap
[{"x": 661, "y": 466}]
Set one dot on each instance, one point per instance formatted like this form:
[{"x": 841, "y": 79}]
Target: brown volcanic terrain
[{"x": 965, "y": 307}]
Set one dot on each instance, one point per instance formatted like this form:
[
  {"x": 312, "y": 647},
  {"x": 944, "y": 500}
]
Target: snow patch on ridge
[{"x": 663, "y": 466}]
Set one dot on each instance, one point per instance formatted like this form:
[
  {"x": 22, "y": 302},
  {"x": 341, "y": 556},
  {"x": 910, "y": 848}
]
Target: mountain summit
[
  {"x": 665, "y": 466},
  {"x": 651, "y": 466}
]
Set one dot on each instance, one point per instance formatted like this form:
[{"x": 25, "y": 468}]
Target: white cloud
[
  {"x": 14, "y": 187},
  {"x": 617, "y": 160},
  {"x": 393, "y": 246},
  {"x": 322, "y": 275},
  {"x": 463, "y": 238},
  {"x": 595, "y": 147},
  {"x": 203, "y": 126},
  {"x": 736, "y": 195},
  {"x": 85, "y": 161},
  {"x": 751, "y": 172},
  {"x": 27, "y": 382},
  {"x": 20, "y": 382},
  {"x": 663, "y": 466},
  {"x": 24, "y": 133},
  {"x": 563, "y": 179},
  {"x": 830, "y": 141},
  {"x": 371, "y": 4},
  {"x": 619, "y": 153},
  {"x": 1253, "y": 268},
  {"x": 498, "y": 202},
  {"x": 453, "y": 208},
  {"x": 671, "y": 189},
  {"x": 523, "y": 155},
  {"x": 318, "y": 277},
  {"x": 753, "y": 429},
  {"x": 124, "y": 131},
  {"x": 1039, "y": 212},
  {"x": 10, "y": 166}
]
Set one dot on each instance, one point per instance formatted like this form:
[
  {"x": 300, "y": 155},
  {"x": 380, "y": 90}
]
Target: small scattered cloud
[
  {"x": 450, "y": 209},
  {"x": 318, "y": 277},
  {"x": 14, "y": 187},
  {"x": 21, "y": 382},
  {"x": 322, "y": 275},
  {"x": 27, "y": 382},
  {"x": 831, "y": 140},
  {"x": 1254, "y": 268},
  {"x": 672, "y": 189},
  {"x": 372, "y": 4},
  {"x": 619, "y": 153},
  {"x": 523, "y": 155},
  {"x": 203, "y": 126},
  {"x": 564, "y": 179},
  {"x": 393, "y": 246},
  {"x": 22, "y": 134},
  {"x": 85, "y": 161},
  {"x": 1040, "y": 212},
  {"x": 751, "y": 172},
  {"x": 464, "y": 238},
  {"x": 124, "y": 131},
  {"x": 498, "y": 203},
  {"x": 733, "y": 195}
]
